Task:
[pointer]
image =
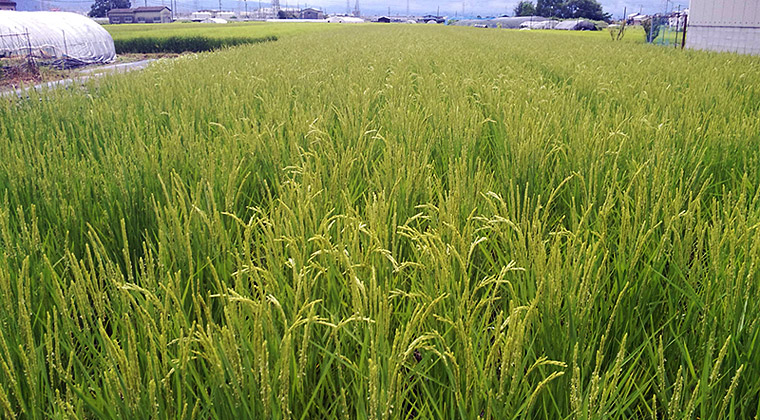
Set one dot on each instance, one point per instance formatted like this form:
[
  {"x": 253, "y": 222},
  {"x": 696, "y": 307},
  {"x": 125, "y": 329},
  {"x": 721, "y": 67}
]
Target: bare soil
[{"x": 16, "y": 73}]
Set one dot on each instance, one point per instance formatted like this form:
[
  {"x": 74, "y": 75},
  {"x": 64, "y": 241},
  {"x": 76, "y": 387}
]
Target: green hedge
[{"x": 180, "y": 44}]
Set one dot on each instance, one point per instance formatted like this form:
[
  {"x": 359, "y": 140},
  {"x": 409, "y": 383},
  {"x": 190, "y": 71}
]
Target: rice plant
[
  {"x": 387, "y": 222},
  {"x": 181, "y": 44}
]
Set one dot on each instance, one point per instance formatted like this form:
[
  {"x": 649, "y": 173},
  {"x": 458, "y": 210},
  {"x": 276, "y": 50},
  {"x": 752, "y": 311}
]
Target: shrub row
[{"x": 180, "y": 44}]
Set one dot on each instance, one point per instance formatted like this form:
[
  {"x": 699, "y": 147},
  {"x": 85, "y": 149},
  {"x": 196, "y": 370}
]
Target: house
[
  {"x": 151, "y": 14},
  {"x": 635, "y": 19},
  {"x": 121, "y": 16},
  {"x": 310, "y": 13},
  {"x": 678, "y": 19},
  {"x": 7, "y": 5}
]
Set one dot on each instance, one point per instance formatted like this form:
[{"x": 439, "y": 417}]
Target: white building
[
  {"x": 201, "y": 15},
  {"x": 344, "y": 19},
  {"x": 724, "y": 25},
  {"x": 225, "y": 15}
]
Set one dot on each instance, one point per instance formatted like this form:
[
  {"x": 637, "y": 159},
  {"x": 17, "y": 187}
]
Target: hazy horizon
[{"x": 396, "y": 7}]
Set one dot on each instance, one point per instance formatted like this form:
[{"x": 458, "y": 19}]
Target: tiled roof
[{"x": 151, "y": 9}]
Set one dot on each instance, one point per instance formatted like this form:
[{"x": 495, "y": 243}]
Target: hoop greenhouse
[{"x": 60, "y": 37}]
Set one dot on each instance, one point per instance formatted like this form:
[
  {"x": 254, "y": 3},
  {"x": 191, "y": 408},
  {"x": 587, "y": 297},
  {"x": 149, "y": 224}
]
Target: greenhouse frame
[{"x": 55, "y": 37}]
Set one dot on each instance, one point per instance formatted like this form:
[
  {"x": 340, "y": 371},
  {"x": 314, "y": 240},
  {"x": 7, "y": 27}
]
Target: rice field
[
  {"x": 387, "y": 222},
  {"x": 213, "y": 30},
  {"x": 197, "y": 37}
]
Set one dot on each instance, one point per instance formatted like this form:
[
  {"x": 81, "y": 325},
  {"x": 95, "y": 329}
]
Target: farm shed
[
  {"x": 724, "y": 25},
  {"x": 576, "y": 25},
  {"x": 59, "y": 37}
]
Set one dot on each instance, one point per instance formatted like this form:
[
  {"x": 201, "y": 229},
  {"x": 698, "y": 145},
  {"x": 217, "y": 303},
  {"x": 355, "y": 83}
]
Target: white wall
[{"x": 724, "y": 25}]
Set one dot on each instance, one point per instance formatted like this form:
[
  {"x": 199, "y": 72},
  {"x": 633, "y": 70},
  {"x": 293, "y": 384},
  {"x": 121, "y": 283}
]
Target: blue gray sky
[{"x": 397, "y": 7}]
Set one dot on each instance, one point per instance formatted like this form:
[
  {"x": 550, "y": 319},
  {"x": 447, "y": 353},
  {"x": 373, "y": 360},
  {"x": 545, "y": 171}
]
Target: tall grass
[{"x": 387, "y": 222}]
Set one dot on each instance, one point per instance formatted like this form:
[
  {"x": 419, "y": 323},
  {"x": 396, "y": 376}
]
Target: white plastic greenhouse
[{"x": 59, "y": 37}]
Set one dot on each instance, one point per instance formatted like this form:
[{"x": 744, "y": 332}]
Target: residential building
[
  {"x": 150, "y": 14},
  {"x": 310, "y": 13}
]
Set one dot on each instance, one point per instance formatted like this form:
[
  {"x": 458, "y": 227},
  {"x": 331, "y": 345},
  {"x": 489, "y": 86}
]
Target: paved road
[{"x": 87, "y": 74}]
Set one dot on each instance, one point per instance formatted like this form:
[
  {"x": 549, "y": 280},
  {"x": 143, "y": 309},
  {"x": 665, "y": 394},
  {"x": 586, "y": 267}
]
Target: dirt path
[{"x": 84, "y": 75}]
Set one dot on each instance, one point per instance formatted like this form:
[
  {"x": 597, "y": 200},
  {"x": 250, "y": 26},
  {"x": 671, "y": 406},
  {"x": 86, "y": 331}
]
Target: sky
[{"x": 371, "y": 7}]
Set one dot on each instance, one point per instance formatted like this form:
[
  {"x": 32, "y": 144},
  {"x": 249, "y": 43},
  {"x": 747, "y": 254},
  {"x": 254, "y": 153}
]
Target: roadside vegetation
[{"x": 387, "y": 221}]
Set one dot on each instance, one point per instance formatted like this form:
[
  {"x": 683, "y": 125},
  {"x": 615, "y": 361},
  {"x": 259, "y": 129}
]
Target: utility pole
[
  {"x": 407, "y": 8},
  {"x": 220, "y": 5}
]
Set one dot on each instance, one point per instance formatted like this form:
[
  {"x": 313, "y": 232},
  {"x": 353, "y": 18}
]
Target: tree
[
  {"x": 550, "y": 8},
  {"x": 286, "y": 15},
  {"x": 589, "y": 9},
  {"x": 101, "y": 7},
  {"x": 571, "y": 9},
  {"x": 525, "y": 8}
]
